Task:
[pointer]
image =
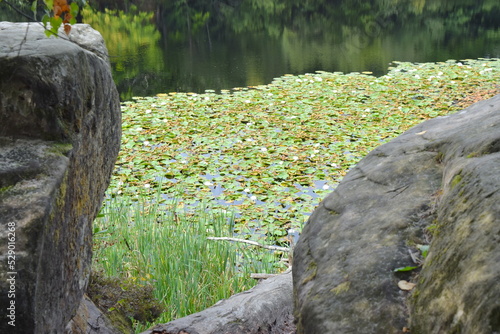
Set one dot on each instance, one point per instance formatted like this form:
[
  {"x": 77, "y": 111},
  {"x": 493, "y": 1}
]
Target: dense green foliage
[
  {"x": 143, "y": 241},
  {"x": 271, "y": 153}
]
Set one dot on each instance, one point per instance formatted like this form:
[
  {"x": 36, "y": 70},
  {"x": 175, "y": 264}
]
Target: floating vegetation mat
[{"x": 271, "y": 153}]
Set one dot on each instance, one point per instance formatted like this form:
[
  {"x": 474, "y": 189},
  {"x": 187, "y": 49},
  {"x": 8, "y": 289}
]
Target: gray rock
[
  {"x": 60, "y": 127},
  {"x": 438, "y": 181},
  {"x": 89, "y": 319}
]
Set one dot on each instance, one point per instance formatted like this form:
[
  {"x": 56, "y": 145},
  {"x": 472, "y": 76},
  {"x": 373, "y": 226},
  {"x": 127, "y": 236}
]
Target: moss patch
[
  {"x": 342, "y": 287},
  {"x": 60, "y": 148},
  {"x": 314, "y": 269},
  {"x": 121, "y": 300},
  {"x": 456, "y": 180}
]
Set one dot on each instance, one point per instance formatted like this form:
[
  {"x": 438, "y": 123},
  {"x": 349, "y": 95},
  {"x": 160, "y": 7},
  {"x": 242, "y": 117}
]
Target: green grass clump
[{"x": 145, "y": 242}]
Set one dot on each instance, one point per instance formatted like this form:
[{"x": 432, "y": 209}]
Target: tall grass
[{"x": 159, "y": 244}]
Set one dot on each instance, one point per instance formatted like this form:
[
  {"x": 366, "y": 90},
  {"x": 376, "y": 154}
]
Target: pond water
[
  {"x": 250, "y": 42},
  {"x": 193, "y": 46}
]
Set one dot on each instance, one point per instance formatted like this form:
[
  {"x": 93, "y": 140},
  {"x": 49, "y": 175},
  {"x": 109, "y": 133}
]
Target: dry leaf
[
  {"x": 421, "y": 133},
  {"x": 407, "y": 286}
]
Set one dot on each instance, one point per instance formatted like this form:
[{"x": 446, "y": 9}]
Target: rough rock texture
[
  {"x": 59, "y": 138},
  {"x": 266, "y": 308},
  {"x": 440, "y": 181},
  {"x": 89, "y": 319}
]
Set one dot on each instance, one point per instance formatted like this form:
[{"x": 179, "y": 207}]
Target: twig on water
[{"x": 255, "y": 243}]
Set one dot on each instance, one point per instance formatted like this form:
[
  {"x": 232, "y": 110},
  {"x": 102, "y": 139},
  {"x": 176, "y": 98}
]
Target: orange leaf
[
  {"x": 57, "y": 11},
  {"x": 67, "y": 28},
  {"x": 60, "y": 7},
  {"x": 67, "y": 18}
]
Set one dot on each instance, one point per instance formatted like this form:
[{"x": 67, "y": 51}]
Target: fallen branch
[
  {"x": 265, "y": 276},
  {"x": 255, "y": 243}
]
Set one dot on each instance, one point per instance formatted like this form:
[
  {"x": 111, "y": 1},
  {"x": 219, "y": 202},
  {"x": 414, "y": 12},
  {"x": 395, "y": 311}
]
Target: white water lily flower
[
  {"x": 263, "y": 149},
  {"x": 147, "y": 186},
  {"x": 146, "y": 143},
  {"x": 208, "y": 183},
  {"x": 253, "y": 197},
  {"x": 295, "y": 158},
  {"x": 326, "y": 186},
  {"x": 246, "y": 190}
]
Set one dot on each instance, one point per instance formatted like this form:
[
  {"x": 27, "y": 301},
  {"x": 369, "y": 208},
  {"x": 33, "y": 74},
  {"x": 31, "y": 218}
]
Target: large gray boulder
[
  {"x": 437, "y": 183},
  {"x": 60, "y": 127}
]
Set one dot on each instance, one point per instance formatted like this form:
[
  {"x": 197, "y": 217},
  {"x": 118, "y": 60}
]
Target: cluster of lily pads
[{"x": 271, "y": 153}]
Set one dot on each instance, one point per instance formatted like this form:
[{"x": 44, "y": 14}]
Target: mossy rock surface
[
  {"x": 122, "y": 300},
  {"x": 60, "y": 131}
]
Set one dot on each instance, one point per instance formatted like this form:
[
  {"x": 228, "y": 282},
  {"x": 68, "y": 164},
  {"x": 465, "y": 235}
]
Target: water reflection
[
  {"x": 243, "y": 43},
  {"x": 163, "y": 46}
]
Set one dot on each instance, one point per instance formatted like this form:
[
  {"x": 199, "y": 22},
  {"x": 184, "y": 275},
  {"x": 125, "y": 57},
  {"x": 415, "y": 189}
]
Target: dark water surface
[{"x": 191, "y": 46}]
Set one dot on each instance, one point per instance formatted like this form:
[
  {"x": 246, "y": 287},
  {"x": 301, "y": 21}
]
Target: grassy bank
[
  {"x": 268, "y": 154},
  {"x": 144, "y": 242}
]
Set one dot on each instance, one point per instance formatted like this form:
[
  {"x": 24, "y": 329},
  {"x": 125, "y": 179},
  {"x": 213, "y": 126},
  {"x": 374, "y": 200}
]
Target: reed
[{"x": 150, "y": 242}]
